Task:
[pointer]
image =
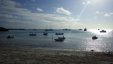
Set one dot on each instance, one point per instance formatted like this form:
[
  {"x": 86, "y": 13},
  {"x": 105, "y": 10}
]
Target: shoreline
[{"x": 51, "y": 56}]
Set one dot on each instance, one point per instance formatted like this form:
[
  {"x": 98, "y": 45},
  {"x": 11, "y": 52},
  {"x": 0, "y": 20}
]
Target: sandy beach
[{"x": 52, "y": 56}]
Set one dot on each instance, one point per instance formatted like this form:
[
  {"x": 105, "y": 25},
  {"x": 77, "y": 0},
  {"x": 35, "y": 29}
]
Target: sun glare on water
[{"x": 97, "y": 45}]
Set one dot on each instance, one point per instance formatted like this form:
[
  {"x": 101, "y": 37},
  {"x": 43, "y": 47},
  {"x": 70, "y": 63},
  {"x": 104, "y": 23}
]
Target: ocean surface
[{"x": 75, "y": 40}]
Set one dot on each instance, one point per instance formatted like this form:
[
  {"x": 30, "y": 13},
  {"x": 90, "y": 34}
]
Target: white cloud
[
  {"x": 77, "y": 19},
  {"x": 105, "y": 14},
  {"x": 108, "y": 14},
  {"x": 83, "y": 3},
  {"x": 111, "y": 13},
  {"x": 97, "y": 12},
  {"x": 63, "y": 11},
  {"x": 39, "y": 9},
  {"x": 87, "y": 2},
  {"x": 12, "y": 14}
]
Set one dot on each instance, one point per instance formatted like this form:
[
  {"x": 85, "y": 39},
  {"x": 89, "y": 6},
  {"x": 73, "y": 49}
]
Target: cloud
[
  {"x": 12, "y": 14},
  {"x": 108, "y": 14},
  {"x": 87, "y": 2},
  {"x": 77, "y": 19},
  {"x": 105, "y": 14},
  {"x": 111, "y": 13},
  {"x": 63, "y": 11},
  {"x": 83, "y": 3},
  {"x": 39, "y": 9},
  {"x": 97, "y": 12}
]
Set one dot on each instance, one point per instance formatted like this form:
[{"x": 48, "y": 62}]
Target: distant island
[{"x": 3, "y": 29}]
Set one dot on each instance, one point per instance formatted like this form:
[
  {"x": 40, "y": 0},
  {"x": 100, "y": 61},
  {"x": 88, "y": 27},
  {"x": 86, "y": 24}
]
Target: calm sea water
[{"x": 75, "y": 40}]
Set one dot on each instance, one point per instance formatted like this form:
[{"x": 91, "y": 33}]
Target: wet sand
[{"x": 52, "y": 56}]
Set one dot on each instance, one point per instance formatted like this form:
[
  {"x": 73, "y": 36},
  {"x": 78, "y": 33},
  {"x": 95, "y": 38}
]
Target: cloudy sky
[{"x": 56, "y": 14}]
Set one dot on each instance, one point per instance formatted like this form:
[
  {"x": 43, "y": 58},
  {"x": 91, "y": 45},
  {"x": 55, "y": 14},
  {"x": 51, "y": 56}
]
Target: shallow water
[{"x": 75, "y": 40}]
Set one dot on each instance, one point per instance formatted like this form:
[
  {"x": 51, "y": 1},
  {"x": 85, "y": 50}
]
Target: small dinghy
[
  {"x": 94, "y": 37},
  {"x": 60, "y": 39},
  {"x": 85, "y": 29},
  {"x": 45, "y": 33},
  {"x": 103, "y": 31},
  {"x": 59, "y": 33}
]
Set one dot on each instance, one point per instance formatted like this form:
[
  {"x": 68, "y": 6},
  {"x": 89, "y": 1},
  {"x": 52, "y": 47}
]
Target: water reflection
[
  {"x": 74, "y": 40},
  {"x": 96, "y": 45},
  {"x": 101, "y": 44}
]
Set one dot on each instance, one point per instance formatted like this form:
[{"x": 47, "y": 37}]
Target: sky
[{"x": 56, "y": 14}]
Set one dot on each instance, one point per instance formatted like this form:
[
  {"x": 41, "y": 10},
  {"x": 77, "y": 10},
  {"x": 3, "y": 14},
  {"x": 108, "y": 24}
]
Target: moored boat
[
  {"x": 94, "y": 37},
  {"x": 103, "y": 31},
  {"x": 85, "y": 29},
  {"x": 45, "y": 33},
  {"x": 59, "y": 33},
  {"x": 60, "y": 39}
]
